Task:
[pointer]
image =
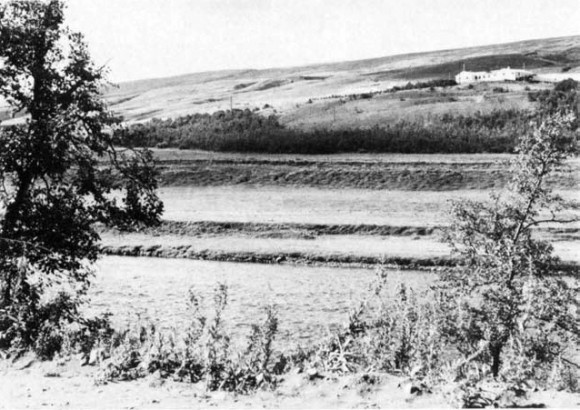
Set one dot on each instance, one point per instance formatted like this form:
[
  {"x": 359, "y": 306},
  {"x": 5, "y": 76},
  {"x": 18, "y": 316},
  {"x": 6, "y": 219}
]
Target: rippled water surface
[{"x": 310, "y": 300}]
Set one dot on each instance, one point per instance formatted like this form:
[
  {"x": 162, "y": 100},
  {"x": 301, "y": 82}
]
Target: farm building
[
  {"x": 557, "y": 77},
  {"x": 504, "y": 74}
]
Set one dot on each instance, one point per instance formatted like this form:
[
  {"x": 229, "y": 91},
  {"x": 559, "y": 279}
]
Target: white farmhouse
[
  {"x": 557, "y": 77},
  {"x": 465, "y": 77},
  {"x": 504, "y": 74}
]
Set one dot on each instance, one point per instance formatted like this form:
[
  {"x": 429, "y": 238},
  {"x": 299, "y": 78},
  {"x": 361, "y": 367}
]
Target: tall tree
[{"x": 60, "y": 172}]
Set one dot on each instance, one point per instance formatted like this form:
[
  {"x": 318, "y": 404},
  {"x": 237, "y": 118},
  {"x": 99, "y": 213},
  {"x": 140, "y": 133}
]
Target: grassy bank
[
  {"x": 379, "y": 175},
  {"x": 310, "y": 231},
  {"x": 293, "y": 258}
]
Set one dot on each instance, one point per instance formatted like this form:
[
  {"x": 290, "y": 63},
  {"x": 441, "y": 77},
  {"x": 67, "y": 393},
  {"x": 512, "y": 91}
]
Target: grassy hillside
[{"x": 287, "y": 91}]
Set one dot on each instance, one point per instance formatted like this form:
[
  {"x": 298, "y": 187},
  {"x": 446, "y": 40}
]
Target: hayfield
[{"x": 314, "y": 205}]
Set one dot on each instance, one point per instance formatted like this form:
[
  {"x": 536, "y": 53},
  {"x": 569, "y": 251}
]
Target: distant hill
[{"x": 287, "y": 91}]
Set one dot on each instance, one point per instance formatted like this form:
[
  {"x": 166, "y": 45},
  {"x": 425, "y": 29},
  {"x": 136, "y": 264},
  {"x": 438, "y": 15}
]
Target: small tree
[
  {"x": 59, "y": 172},
  {"x": 506, "y": 294}
]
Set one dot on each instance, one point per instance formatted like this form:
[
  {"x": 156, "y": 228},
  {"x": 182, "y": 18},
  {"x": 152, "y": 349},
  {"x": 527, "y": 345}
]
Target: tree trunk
[
  {"x": 11, "y": 219},
  {"x": 495, "y": 351}
]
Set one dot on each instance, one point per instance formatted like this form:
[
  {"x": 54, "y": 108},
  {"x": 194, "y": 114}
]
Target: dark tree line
[{"x": 248, "y": 131}]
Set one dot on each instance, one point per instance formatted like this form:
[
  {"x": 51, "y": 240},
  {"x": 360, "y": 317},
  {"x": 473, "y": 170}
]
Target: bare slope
[{"x": 287, "y": 90}]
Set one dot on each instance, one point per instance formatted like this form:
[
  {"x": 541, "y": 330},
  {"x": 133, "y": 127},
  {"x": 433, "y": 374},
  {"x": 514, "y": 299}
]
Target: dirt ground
[{"x": 68, "y": 385}]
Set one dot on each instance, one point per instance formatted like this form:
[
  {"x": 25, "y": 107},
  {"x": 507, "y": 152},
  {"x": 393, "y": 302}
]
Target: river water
[{"x": 310, "y": 300}]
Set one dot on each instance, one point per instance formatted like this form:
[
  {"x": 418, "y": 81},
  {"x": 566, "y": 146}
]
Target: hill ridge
[{"x": 285, "y": 89}]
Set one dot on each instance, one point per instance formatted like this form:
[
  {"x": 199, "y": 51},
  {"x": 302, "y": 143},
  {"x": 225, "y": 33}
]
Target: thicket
[
  {"x": 562, "y": 98},
  {"x": 247, "y": 131}
]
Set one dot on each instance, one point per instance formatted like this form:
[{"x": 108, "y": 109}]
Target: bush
[
  {"x": 507, "y": 309},
  {"x": 563, "y": 98},
  {"x": 202, "y": 352},
  {"x": 395, "y": 334}
]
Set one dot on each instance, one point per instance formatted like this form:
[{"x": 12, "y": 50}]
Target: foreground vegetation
[{"x": 498, "y": 326}]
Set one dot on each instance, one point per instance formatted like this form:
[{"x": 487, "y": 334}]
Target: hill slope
[{"x": 287, "y": 90}]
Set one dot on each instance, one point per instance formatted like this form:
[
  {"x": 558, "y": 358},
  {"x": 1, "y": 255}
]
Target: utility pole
[{"x": 232, "y": 103}]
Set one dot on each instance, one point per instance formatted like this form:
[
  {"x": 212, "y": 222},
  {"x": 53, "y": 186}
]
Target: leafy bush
[
  {"x": 385, "y": 333},
  {"x": 563, "y": 98},
  {"x": 507, "y": 309},
  {"x": 202, "y": 352}
]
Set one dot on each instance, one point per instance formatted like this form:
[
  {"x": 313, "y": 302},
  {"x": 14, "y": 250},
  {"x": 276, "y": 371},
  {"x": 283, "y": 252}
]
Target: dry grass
[
  {"x": 184, "y": 156},
  {"x": 286, "y": 88},
  {"x": 420, "y": 176},
  {"x": 314, "y": 205},
  {"x": 414, "y": 106}
]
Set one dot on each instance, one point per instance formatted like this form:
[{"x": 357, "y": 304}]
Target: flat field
[
  {"x": 245, "y": 203},
  {"x": 308, "y": 225}
]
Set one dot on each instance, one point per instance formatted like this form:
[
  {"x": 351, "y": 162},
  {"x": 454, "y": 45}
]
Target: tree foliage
[
  {"x": 248, "y": 131},
  {"x": 59, "y": 169},
  {"x": 506, "y": 299}
]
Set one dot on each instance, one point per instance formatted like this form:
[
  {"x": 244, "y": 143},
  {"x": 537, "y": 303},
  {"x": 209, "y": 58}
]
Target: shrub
[
  {"x": 385, "y": 333},
  {"x": 202, "y": 352},
  {"x": 506, "y": 308}
]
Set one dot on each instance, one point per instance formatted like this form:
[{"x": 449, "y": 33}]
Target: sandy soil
[
  {"x": 71, "y": 386},
  {"x": 67, "y": 385}
]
